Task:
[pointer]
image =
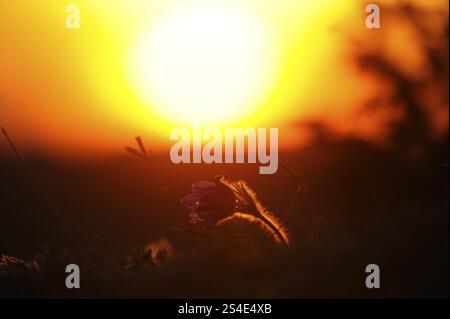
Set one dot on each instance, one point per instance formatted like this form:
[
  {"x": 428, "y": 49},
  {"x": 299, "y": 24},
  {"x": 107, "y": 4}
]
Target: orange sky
[{"x": 75, "y": 91}]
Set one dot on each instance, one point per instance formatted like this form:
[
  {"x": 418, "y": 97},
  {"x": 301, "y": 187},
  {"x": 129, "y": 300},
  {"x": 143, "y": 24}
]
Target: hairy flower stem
[{"x": 273, "y": 227}]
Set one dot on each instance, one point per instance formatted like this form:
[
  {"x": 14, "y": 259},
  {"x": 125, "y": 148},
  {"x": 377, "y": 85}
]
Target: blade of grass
[
  {"x": 141, "y": 146},
  {"x": 144, "y": 154},
  {"x": 301, "y": 188},
  {"x": 36, "y": 185}
]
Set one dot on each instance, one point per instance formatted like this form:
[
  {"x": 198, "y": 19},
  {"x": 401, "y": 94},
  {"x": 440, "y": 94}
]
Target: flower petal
[
  {"x": 192, "y": 201},
  {"x": 204, "y": 186},
  {"x": 210, "y": 201}
]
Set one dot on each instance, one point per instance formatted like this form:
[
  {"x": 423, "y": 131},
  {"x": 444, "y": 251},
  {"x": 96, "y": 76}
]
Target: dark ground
[{"x": 377, "y": 206}]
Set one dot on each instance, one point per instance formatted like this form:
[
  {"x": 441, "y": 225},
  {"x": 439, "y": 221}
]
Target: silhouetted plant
[{"x": 222, "y": 200}]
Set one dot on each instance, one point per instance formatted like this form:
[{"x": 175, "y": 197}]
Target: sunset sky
[{"x": 145, "y": 67}]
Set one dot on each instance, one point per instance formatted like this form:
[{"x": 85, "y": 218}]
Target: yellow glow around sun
[{"x": 212, "y": 64}]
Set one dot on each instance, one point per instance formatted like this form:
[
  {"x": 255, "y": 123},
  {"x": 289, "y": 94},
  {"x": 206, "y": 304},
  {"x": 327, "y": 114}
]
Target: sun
[{"x": 216, "y": 65}]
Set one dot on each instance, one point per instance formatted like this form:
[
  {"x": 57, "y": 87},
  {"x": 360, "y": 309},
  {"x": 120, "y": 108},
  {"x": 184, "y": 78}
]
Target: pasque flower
[
  {"x": 210, "y": 201},
  {"x": 214, "y": 202}
]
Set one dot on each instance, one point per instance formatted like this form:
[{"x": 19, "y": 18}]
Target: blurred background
[{"x": 363, "y": 123}]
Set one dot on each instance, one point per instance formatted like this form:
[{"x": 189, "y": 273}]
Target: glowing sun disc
[{"x": 211, "y": 64}]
